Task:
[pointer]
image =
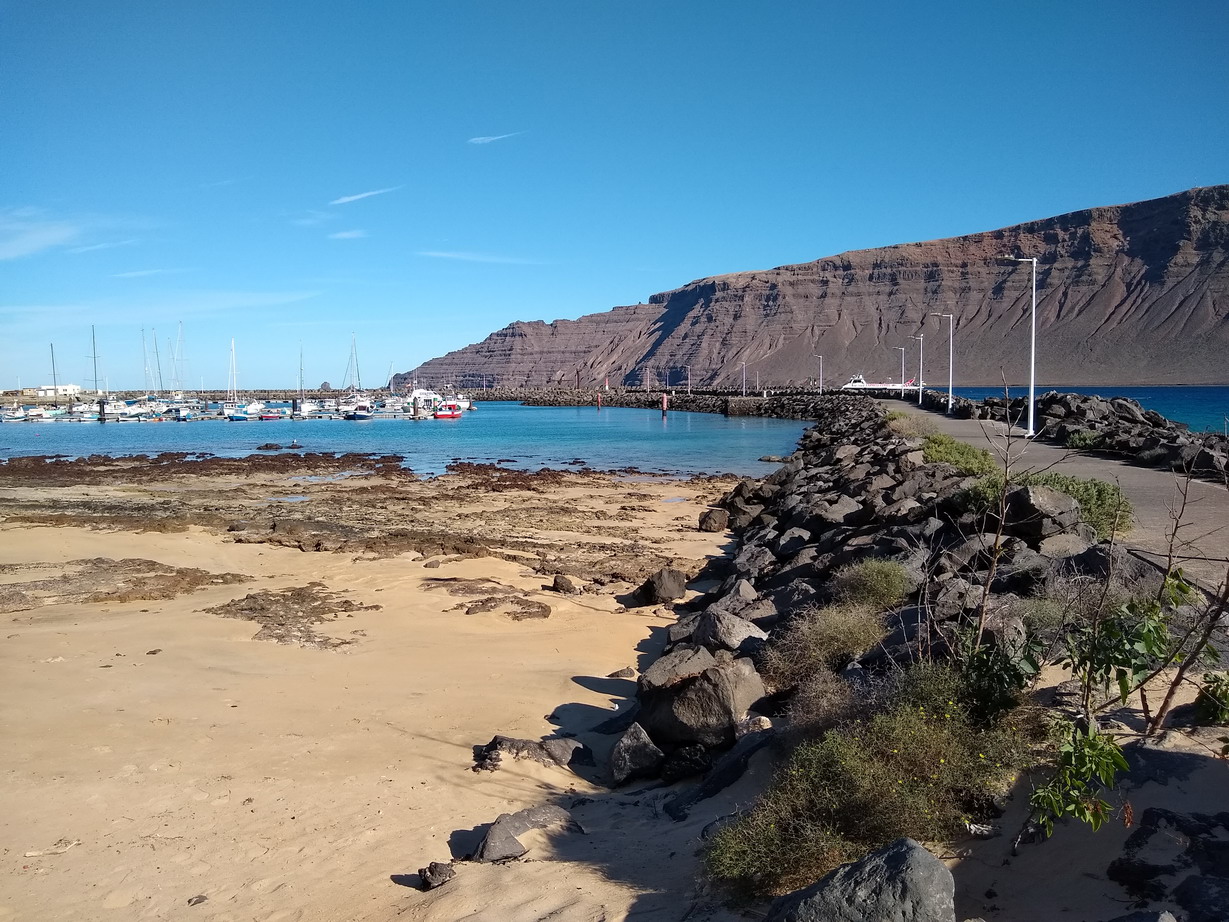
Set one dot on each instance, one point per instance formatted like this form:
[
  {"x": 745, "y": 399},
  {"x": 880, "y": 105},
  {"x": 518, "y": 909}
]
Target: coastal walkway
[{"x": 1202, "y": 547}]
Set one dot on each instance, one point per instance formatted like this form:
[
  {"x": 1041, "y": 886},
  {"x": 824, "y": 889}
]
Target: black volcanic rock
[{"x": 1129, "y": 294}]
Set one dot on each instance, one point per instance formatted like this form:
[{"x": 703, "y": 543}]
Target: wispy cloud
[
  {"x": 138, "y": 309},
  {"x": 477, "y": 257},
  {"x": 354, "y": 198},
  {"x": 103, "y": 246},
  {"x": 487, "y": 139},
  {"x": 223, "y": 182},
  {"x": 312, "y": 218},
  {"x": 24, "y": 232},
  {"x": 142, "y": 273},
  {"x": 348, "y": 235}
]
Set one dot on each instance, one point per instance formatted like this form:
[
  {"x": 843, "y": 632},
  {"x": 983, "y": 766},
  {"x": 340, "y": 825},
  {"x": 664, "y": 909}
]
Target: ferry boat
[{"x": 859, "y": 383}]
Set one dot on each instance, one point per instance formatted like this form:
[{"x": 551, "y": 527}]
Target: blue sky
[{"x": 421, "y": 174}]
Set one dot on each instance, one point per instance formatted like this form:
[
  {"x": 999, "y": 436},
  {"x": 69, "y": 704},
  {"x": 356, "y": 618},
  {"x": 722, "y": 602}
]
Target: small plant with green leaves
[
  {"x": 1088, "y": 762},
  {"x": 994, "y": 677},
  {"x": 1212, "y": 705}
]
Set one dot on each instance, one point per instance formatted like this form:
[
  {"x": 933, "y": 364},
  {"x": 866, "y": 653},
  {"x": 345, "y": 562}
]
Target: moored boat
[{"x": 448, "y": 411}]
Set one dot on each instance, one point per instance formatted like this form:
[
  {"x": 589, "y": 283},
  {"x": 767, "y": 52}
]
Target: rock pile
[
  {"x": 1119, "y": 426},
  {"x": 854, "y": 491}
]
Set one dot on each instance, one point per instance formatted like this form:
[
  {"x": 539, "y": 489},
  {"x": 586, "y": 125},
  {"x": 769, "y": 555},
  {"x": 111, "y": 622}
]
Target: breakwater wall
[
  {"x": 855, "y": 491},
  {"x": 1116, "y": 427}
]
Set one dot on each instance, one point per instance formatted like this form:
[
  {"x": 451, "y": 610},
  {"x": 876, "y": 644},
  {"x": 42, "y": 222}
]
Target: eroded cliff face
[{"x": 1130, "y": 294}]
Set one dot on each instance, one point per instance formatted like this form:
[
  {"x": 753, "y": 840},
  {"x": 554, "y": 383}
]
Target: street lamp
[
  {"x": 951, "y": 338},
  {"x": 1032, "y": 354},
  {"x": 919, "y": 366},
  {"x": 821, "y": 371},
  {"x": 744, "y": 379},
  {"x": 902, "y": 371},
  {"x": 688, "y": 367}
]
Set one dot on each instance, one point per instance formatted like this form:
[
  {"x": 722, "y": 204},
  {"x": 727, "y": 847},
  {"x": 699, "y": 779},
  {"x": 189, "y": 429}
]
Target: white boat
[
  {"x": 13, "y": 414},
  {"x": 859, "y": 383}
]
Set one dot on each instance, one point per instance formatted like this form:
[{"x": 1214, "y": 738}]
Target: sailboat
[
  {"x": 303, "y": 407},
  {"x": 357, "y": 406},
  {"x": 231, "y": 408}
]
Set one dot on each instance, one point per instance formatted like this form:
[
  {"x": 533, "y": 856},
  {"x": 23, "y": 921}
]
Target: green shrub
[
  {"x": 878, "y": 584},
  {"x": 819, "y": 639},
  {"x": 821, "y": 701},
  {"x": 914, "y": 770},
  {"x": 1103, "y": 505},
  {"x": 941, "y": 448},
  {"x": 1212, "y": 705},
  {"x": 911, "y": 426},
  {"x": 1083, "y": 439}
]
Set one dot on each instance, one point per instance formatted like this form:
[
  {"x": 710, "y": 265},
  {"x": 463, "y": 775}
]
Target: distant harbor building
[{"x": 59, "y": 390}]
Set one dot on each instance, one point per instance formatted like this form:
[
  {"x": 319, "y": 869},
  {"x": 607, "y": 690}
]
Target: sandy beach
[
  {"x": 252, "y": 690},
  {"x": 159, "y": 751}
]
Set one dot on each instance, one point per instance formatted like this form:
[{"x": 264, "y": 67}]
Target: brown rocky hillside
[{"x": 1129, "y": 294}]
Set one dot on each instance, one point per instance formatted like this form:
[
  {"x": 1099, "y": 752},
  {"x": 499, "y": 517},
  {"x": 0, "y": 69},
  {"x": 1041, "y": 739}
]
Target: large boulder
[
  {"x": 705, "y": 709},
  {"x": 714, "y": 520},
  {"x": 717, "y": 629},
  {"x": 901, "y": 882},
  {"x": 1038, "y": 512},
  {"x": 500, "y": 842},
  {"x": 634, "y": 756},
  {"x": 666, "y": 585},
  {"x": 686, "y": 661}
]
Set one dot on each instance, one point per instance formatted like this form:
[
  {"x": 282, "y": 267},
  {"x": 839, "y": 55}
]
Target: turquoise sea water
[
  {"x": 1201, "y": 408},
  {"x": 527, "y": 438}
]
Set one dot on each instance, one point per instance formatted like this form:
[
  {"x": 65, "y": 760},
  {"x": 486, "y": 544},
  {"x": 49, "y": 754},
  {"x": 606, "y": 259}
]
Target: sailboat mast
[
  {"x": 177, "y": 367},
  {"x": 94, "y": 343},
  {"x": 158, "y": 363},
  {"x": 55, "y": 386},
  {"x": 358, "y": 375},
  {"x": 301, "y": 394}
]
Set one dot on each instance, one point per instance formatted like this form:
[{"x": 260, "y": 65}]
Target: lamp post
[
  {"x": 902, "y": 371},
  {"x": 951, "y": 339},
  {"x": 744, "y": 379},
  {"x": 688, "y": 367},
  {"x": 1032, "y": 352},
  {"x": 821, "y": 372},
  {"x": 919, "y": 338}
]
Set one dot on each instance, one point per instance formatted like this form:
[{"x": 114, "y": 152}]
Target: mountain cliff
[{"x": 1129, "y": 294}]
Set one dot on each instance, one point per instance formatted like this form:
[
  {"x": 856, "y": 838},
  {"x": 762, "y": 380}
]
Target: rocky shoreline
[{"x": 854, "y": 491}]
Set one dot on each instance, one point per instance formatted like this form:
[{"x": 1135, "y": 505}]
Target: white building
[{"x": 61, "y": 390}]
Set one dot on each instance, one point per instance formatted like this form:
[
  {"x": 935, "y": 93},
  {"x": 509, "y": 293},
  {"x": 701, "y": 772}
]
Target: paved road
[{"x": 1153, "y": 493}]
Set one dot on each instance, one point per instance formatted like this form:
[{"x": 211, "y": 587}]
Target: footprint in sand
[{"x": 118, "y": 899}]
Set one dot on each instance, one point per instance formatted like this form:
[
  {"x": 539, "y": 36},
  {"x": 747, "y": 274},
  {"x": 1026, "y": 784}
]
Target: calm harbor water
[
  {"x": 522, "y": 437},
  {"x": 1201, "y": 408}
]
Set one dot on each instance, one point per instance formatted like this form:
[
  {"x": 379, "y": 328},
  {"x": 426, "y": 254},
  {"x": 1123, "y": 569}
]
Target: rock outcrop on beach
[{"x": 1128, "y": 294}]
